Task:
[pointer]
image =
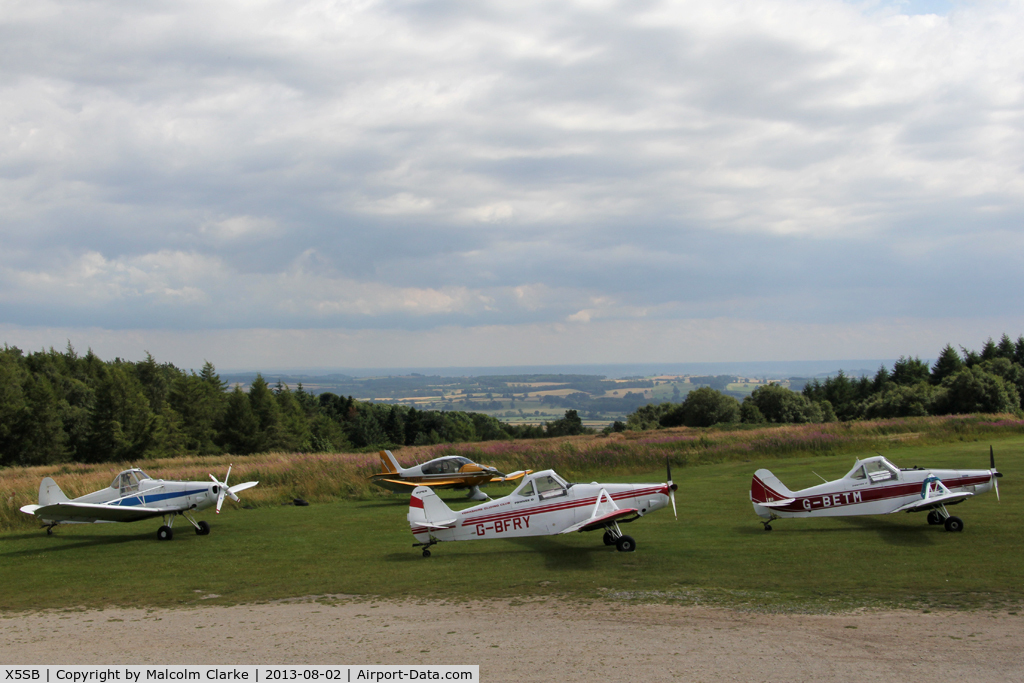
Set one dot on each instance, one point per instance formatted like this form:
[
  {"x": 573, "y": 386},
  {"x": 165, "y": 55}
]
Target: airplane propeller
[
  {"x": 671, "y": 488},
  {"x": 992, "y": 469},
  {"x": 230, "y": 492}
]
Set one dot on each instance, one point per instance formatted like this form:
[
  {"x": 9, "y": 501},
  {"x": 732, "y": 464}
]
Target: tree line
[
  {"x": 65, "y": 407},
  {"x": 959, "y": 382}
]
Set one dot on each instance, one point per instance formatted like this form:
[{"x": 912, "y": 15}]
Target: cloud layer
[{"x": 452, "y": 166}]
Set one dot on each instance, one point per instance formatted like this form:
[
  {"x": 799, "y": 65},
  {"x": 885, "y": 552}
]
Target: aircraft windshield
[
  {"x": 446, "y": 466},
  {"x": 128, "y": 481},
  {"x": 549, "y": 486},
  {"x": 879, "y": 470}
]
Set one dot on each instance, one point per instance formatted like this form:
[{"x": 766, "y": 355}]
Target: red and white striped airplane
[
  {"x": 875, "y": 487},
  {"x": 543, "y": 504}
]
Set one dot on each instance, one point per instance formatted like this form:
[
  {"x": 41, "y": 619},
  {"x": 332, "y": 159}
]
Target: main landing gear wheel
[
  {"x": 767, "y": 527},
  {"x": 954, "y": 524},
  {"x": 203, "y": 529},
  {"x": 164, "y": 533},
  {"x": 608, "y": 538},
  {"x": 934, "y": 518},
  {"x": 426, "y": 553},
  {"x": 625, "y": 544}
]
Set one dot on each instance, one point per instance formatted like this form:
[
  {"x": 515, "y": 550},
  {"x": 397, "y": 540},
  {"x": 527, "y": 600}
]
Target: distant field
[{"x": 717, "y": 552}]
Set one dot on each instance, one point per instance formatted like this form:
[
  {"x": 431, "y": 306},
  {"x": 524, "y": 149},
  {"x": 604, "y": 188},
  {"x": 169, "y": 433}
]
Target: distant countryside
[
  {"x": 62, "y": 406},
  {"x": 529, "y": 399}
]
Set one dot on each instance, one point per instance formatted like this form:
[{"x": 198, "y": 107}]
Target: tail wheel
[
  {"x": 164, "y": 533},
  {"x": 203, "y": 529},
  {"x": 954, "y": 524},
  {"x": 426, "y": 553},
  {"x": 934, "y": 518},
  {"x": 625, "y": 544},
  {"x": 608, "y": 538}
]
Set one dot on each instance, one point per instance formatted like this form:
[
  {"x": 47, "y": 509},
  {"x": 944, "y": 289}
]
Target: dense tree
[
  {"x": 908, "y": 371},
  {"x": 703, "y": 407},
  {"x": 972, "y": 390},
  {"x": 948, "y": 363},
  {"x": 778, "y": 404}
]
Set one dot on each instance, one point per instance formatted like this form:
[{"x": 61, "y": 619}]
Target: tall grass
[{"x": 320, "y": 477}]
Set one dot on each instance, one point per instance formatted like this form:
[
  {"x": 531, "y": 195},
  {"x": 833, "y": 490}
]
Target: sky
[{"x": 470, "y": 182}]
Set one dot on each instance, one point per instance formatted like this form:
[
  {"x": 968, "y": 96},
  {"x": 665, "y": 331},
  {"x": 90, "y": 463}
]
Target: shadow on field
[
  {"x": 74, "y": 542},
  {"x": 893, "y": 534},
  {"x": 556, "y": 556}
]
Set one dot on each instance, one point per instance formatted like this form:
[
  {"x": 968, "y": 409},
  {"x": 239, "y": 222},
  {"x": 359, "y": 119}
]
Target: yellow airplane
[{"x": 446, "y": 472}]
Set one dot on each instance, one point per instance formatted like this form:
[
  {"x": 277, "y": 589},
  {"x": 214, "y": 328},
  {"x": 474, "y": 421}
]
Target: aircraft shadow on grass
[
  {"x": 892, "y": 533},
  {"x": 557, "y": 556},
  {"x": 58, "y": 544}
]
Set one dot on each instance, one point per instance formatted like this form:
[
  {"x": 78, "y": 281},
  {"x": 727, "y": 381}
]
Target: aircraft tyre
[
  {"x": 625, "y": 544},
  {"x": 608, "y": 538},
  {"x": 426, "y": 553},
  {"x": 767, "y": 527},
  {"x": 934, "y": 518},
  {"x": 164, "y": 533},
  {"x": 203, "y": 529},
  {"x": 954, "y": 524}
]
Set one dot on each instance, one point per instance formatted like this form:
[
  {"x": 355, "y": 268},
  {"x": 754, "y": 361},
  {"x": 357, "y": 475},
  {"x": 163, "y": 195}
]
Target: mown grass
[{"x": 716, "y": 553}]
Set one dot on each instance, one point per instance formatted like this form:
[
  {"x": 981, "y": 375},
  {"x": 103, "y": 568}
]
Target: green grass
[{"x": 716, "y": 553}]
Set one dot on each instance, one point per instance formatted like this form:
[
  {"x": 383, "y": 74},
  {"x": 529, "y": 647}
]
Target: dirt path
[{"x": 538, "y": 641}]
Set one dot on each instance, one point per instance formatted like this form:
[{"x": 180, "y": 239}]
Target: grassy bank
[
  {"x": 355, "y": 543},
  {"x": 323, "y": 477}
]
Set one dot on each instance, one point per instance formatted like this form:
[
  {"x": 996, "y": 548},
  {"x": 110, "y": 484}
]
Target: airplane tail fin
[
  {"x": 765, "y": 487},
  {"x": 428, "y": 512},
  {"x": 388, "y": 464},
  {"x": 50, "y": 493}
]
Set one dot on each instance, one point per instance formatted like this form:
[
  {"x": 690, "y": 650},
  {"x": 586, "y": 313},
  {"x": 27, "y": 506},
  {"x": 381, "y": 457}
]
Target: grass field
[{"x": 716, "y": 553}]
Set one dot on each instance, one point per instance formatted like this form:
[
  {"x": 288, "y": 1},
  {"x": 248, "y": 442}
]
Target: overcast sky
[{"x": 454, "y": 183}]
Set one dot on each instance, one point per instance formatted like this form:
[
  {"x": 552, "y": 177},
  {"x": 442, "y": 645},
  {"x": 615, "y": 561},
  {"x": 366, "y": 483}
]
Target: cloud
[{"x": 409, "y": 165}]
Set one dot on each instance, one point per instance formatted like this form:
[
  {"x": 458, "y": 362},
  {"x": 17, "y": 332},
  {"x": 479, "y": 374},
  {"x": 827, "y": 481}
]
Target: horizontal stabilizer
[{"x": 778, "y": 503}]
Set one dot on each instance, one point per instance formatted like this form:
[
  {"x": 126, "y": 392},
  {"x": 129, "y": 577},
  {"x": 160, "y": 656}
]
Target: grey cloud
[{"x": 437, "y": 157}]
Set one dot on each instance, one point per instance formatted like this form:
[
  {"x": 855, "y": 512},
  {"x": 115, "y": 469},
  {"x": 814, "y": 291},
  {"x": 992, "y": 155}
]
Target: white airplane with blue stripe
[{"x": 134, "y": 495}]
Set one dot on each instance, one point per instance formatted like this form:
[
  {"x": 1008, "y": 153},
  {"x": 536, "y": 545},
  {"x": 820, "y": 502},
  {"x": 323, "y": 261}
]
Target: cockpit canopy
[
  {"x": 448, "y": 465},
  {"x": 128, "y": 480},
  {"x": 544, "y": 485},
  {"x": 875, "y": 470}
]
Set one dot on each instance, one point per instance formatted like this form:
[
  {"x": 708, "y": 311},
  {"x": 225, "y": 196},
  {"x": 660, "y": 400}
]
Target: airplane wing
[
  {"x": 599, "y": 521},
  {"x": 435, "y": 482},
  {"x": 511, "y": 477},
  {"x": 934, "y": 501},
  {"x": 93, "y": 512}
]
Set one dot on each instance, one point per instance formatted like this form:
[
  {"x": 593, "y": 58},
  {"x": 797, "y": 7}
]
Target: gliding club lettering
[{"x": 504, "y": 525}]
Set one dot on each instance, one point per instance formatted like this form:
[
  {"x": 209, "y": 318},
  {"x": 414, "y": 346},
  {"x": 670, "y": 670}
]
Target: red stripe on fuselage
[
  {"x": 560, "y": 505},
  {"x": 875, "y": 494}
]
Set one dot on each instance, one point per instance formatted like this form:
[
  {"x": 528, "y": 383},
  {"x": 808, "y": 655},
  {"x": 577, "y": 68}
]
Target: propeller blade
[
  {"x": 671, "y": 488},
  {"x": 992, "y": 469},
  {"x": 220, "y": 497}
]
